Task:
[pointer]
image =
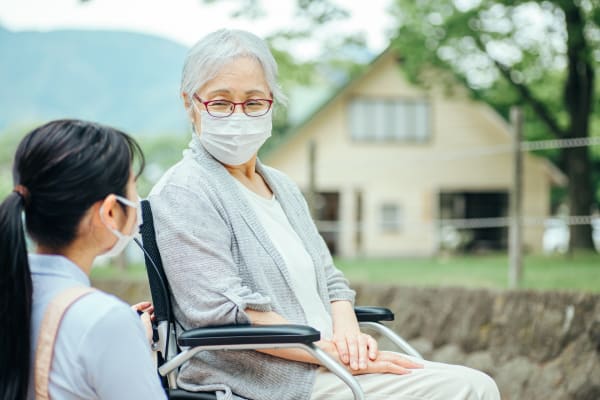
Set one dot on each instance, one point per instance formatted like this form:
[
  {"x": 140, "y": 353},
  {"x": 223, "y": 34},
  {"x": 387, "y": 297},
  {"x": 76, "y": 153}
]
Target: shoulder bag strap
[{"x": 47, "y": 336}]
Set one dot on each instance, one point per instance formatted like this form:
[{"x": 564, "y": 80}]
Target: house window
[
  {"x": 391, "y": 218},
  {"x": 401, "y": 120}
]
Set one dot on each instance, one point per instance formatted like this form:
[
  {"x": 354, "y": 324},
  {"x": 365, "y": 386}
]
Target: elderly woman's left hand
[
  {"x": 147, "y": 316},
  {"x": 354, "y": 347}
]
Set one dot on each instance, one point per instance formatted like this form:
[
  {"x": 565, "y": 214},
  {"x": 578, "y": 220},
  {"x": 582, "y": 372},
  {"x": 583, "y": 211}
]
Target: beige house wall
[{"x": 410, "y": 175}]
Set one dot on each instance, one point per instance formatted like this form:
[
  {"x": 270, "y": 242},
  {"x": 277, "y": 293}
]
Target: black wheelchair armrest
[
  {"x": 248, "y": 334},
  {"x": 178, "y": 394},
  {"x": 253, "y": 337},
  {"x": 373, "y": 314}
]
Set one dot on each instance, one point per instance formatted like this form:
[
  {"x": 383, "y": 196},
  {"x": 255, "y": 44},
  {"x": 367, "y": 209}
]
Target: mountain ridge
[{"x": 126, "y": 79}]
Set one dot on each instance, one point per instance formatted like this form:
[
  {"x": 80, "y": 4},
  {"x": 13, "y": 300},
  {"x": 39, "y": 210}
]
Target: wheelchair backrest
[
  {"x": 159, "y": 287},
  {"x": 161, "y": 295}
]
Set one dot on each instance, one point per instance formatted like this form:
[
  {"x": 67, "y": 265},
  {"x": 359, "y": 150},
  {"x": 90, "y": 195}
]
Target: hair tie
[{"x": 23, "y": 192}]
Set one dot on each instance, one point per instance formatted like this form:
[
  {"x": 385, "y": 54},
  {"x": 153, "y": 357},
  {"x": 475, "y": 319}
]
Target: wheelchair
[{"x": 174, "y": 349}]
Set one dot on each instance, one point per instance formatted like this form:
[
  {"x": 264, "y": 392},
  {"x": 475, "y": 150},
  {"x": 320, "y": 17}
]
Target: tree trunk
[
  {"x": 578, "y": 101},
  {"x": 581, "y": 196}
]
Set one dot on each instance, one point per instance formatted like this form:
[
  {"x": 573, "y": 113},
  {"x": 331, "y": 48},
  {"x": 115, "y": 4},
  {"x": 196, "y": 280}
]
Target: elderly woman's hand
[
  {"x": 355, "y": 348},
  {"x": 388, "y": 363},
  {"x": 146, "y": 311}
]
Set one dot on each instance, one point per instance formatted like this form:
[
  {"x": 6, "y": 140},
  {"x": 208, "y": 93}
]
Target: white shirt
[
  {"x": 297, "y": 260},
  {"x": 101, "y": 350}
]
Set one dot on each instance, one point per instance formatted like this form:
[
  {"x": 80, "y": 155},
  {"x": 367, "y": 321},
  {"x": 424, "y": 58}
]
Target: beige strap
[{"x": 47, "y": 337}]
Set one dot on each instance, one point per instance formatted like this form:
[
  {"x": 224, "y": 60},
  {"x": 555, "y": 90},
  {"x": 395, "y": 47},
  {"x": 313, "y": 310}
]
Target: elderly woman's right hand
[{"x": 388, "y": 362}]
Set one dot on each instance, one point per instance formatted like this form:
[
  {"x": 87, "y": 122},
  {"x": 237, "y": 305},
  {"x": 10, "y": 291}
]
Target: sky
[{"x": 186, "y": 21}]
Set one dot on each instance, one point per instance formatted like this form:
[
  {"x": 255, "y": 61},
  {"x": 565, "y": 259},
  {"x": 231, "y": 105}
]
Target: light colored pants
[{"x": 436, "y": 381}]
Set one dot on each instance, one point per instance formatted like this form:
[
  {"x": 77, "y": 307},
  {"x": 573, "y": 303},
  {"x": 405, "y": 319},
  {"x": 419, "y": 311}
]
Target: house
[{"x": 392, "y": 161}]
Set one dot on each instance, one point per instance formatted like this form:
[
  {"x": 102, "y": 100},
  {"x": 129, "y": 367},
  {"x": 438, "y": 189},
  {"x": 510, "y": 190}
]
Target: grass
[
  {"x": 132, "y": 272},
  {"x": 579, "y": 272}
]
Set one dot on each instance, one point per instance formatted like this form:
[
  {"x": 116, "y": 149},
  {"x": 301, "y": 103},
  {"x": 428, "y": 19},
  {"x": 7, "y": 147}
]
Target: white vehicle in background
[{"x": 556, "y": 235}]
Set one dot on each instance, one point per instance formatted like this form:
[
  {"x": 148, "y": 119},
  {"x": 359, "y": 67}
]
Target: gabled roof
[{"x": 555, "y": 174}]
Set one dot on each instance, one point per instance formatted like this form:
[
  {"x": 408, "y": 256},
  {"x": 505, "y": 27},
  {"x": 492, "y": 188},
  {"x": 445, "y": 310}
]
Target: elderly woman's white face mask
[{"x": 235, "y": 139}]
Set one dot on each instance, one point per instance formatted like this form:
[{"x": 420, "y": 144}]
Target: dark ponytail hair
[{"x": 60, "y": 170}]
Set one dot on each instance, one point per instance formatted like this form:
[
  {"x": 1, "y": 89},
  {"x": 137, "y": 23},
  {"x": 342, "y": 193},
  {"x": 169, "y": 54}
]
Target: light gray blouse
[{"x": 220, "y": 261}]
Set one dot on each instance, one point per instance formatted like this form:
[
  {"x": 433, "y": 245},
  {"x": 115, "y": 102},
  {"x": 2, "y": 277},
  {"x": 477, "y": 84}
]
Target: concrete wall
[{"x": 536, "y": 345}]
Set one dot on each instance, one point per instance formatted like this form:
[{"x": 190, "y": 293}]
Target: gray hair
[{"x": 212, "y": 52}]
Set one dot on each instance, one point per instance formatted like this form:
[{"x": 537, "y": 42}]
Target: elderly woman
[{"x": 239, "y": 246}]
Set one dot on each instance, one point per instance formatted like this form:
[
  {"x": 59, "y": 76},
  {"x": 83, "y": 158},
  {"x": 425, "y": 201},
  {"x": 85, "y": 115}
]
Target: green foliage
[
  {"x": 310, "y": 18},
  {"x": 161, "y": 152},
  {"x": 9, "y": 140},
  {"x": 5, "y": 182},
  {"x": 500, "y": 49},
  {"x": 468, "y": 40},
  {"x": 315, "y": 12}
]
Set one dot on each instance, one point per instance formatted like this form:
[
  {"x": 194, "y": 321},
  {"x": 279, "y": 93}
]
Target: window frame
[
  {"x": 389, "y": 126},
  {"x": 396, "y": 225}
]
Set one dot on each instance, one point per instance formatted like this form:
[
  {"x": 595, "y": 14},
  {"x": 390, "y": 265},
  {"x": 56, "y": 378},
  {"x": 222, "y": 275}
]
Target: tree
[
  {"x": 541, "y": 53},
  {"x": 9, "y": 141}
]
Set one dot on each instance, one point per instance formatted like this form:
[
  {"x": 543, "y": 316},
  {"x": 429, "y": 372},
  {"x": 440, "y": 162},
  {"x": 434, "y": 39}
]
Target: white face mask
[
  {"x": 122, "y": 239},
  {"x": 235, "y": 139}
]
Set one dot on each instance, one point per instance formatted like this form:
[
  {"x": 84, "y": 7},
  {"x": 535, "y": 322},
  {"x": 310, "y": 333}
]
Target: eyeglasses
[{"x": 224, "y": 108}]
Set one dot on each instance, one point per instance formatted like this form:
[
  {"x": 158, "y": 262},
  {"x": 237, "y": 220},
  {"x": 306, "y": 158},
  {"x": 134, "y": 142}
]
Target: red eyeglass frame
[{"x": 205, "y": 103}]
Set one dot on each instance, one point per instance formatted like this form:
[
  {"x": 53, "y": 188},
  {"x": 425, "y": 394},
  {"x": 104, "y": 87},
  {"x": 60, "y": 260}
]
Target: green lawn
[
  {"x": 580, "y": 272},
  {"x": 132, "y": 272}
]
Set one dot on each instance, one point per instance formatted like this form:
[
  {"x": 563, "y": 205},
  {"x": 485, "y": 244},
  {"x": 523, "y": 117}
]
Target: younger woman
[{"x": 75, "y": 196}]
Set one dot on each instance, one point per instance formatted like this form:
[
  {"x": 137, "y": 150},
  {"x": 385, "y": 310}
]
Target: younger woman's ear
[{"x": 107, "y": 211}]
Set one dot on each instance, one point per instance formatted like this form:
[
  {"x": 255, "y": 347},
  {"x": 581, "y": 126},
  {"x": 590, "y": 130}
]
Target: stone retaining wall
[{"x": 537, "y": 345}]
